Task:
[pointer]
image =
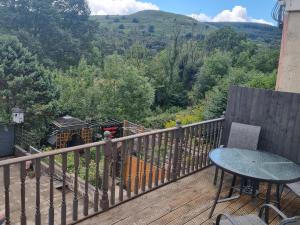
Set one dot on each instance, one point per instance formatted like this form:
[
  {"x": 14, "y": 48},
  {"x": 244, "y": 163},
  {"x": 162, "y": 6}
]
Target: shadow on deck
[{"x": 187, "y": 201}]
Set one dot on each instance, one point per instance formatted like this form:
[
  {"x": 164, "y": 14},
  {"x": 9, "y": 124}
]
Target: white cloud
[
  {"x": 237, "y": 14},
  {"x": 119, "y": 7}
]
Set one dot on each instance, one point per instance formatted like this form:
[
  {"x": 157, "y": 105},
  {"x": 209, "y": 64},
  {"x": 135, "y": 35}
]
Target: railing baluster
[
  {"x": 104, "y": 203},
  {"x": 37, "y": 194},
  {"x": 130, "y": 147},
  {"x": 97, "y": 177},
  {"x": 210, "y": 146},
  {"x": 190, "y": 149},
  {"x": 177, "y": 152},
  {"x": 202, "y": 144},
  {"x": 163, "y": 171},
  {"x": 206, "y": 138},
  {"x": 122, "y": 161},
  {"x": 220, "y": 131},
  {"x": 63, "y": 191},
  {"x": 146, "y": 148},
  {"x": 137, "y": 175},
  {"x": 198, "y": 143},
  {"x": 186, "y": 134},
  {"x": 195, "y": 133},
  {"x": 215, "y": 135},
  {"x": 51, "y": 204},
  {"x": 150, "y": 178},
  {"x": 23, "y": 192},
  {"x": 6, "y": 175},
  {"x": 158, "y": 159},
  {"x": 170, "y": 156},
  {"x": 75, "y": 193},
  {"x": 113, "y": 173},
  {"x": 179, "y": 149},
  {"x": 86, "y": 183}
]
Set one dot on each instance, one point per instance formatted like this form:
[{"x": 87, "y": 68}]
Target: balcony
[{"x": 157, "y": 177}]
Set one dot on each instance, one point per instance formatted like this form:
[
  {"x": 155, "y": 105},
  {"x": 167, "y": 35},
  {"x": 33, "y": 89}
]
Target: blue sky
[
  {"x": 202, "y": 10},
  {"x": 258, "y": 9}
]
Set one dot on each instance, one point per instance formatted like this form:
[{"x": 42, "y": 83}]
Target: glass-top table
[
  {"x": 258, "y": 165},
  {"x": 255, "y": 165}
]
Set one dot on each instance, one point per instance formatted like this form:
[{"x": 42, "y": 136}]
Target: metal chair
[
  {"x": 242, "y": 136},
  {"x": 295, "y": 187},
  {"x": 225, "y": 219}
]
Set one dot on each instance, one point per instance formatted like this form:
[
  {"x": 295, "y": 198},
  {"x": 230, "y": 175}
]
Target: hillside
[{"x": 155, "y": 28}]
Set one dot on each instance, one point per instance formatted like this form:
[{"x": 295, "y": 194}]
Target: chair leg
[
  {"x": 232, "y": 186},
  {"x": 216, "y": 176}
]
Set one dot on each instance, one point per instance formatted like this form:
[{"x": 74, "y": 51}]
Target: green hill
[{"x": 155, "y": 28}]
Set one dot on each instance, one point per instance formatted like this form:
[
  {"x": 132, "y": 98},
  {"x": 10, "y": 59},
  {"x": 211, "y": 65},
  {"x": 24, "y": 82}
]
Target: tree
[
  {"x": 214, "y": 68},
  {"x": 25, "y": 83},
  {"x": 224, "y": 39}
]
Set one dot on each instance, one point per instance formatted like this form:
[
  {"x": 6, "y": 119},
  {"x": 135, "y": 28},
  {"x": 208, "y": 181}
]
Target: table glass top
[{"x": 256, "y": 164}]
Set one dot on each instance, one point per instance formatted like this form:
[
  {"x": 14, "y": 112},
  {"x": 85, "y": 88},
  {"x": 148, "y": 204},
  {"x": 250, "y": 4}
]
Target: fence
[
  {"x": 167, "y": 154},
  {"x": 276, "y": 112}
]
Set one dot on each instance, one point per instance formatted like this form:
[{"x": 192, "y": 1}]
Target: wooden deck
[{"x": 187, "y": 201}]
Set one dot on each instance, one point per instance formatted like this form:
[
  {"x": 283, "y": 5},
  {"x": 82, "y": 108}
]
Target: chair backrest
[
  {"x": 295, "y": 187},
  {"x": 291, "y": 221},
  {"x": 243, "y": 136}
]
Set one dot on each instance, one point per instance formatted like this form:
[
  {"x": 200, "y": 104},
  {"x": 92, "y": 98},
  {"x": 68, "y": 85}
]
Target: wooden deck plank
[{"x": 187, "y": 201}]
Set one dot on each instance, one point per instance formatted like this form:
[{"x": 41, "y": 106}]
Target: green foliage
[
  {"x": 117, "y": 91},
  {"x": 214, "y": 68},
  {"x": 61, "y": 30},
  {"x": 225, "y": 39},
  {"x": 188, "y": 116},
  {"x": 24, "y": 83}
]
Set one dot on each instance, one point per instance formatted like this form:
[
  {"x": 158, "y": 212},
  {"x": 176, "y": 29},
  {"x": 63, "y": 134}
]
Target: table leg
[
  {"x": 268, "y": 199},
  {"x": 218, "y": 195},
  {"x": 278, "y": 195},
  {"x": 232, "y": 186},
  {"x": 216, "y": 175}
]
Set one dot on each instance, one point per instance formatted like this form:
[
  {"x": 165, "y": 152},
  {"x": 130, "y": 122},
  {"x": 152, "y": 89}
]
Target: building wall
[{"x": 288, "y": 78}]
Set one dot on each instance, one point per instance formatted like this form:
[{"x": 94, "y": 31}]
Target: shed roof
[{"x": 69, "y": 122}]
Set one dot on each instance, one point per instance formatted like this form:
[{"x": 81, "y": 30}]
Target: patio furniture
[
  {"x": 225, "y": 219},
  {"x": 255, "y": 165},
  {"x": 242, "y": 136},
  {"x": 295, "y": 187}
]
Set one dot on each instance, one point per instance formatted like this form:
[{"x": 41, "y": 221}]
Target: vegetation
[{"x": 150, "y": 67}]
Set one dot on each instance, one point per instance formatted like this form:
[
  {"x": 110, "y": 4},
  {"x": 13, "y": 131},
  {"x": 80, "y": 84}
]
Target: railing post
[
  {"x": 104, "y": 203},
  {"x": 177, "y": 150}
]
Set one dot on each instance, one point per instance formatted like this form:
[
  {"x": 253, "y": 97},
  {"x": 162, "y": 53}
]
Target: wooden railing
[{"x": 124, "y": 168}]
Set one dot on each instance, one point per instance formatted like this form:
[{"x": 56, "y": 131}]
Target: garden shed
[{"x": 70, "y": 131}]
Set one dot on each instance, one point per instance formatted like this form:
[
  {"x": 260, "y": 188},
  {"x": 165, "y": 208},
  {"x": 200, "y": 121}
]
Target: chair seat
[
  {"x": 295, "y": 187},
  {"x": 244, "y": 220}
]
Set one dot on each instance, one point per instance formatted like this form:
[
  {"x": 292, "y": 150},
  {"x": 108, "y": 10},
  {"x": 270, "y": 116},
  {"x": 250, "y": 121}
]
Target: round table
[{"x": 256, "y": 165}]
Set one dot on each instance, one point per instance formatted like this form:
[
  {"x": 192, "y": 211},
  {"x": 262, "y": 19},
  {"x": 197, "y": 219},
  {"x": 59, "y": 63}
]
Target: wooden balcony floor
[{"x": 187, "y": 201}]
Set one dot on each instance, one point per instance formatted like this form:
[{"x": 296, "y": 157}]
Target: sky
[{"x": 202, "y": 10}]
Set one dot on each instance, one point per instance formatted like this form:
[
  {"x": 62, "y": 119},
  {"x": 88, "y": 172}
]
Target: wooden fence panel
[{"x": 278, "y": 113}]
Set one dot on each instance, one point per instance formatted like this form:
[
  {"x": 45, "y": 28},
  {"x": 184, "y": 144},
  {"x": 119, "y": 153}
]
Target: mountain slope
[{"x": 156, "y": 28}]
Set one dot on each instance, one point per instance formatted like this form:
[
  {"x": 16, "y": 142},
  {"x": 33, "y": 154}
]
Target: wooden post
[
  {"x": 125, "y": 127},
  {"x": 177, "y": 150},
  {"x": 104, "y": 203},
  {"x": 51, "y": 194}
]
